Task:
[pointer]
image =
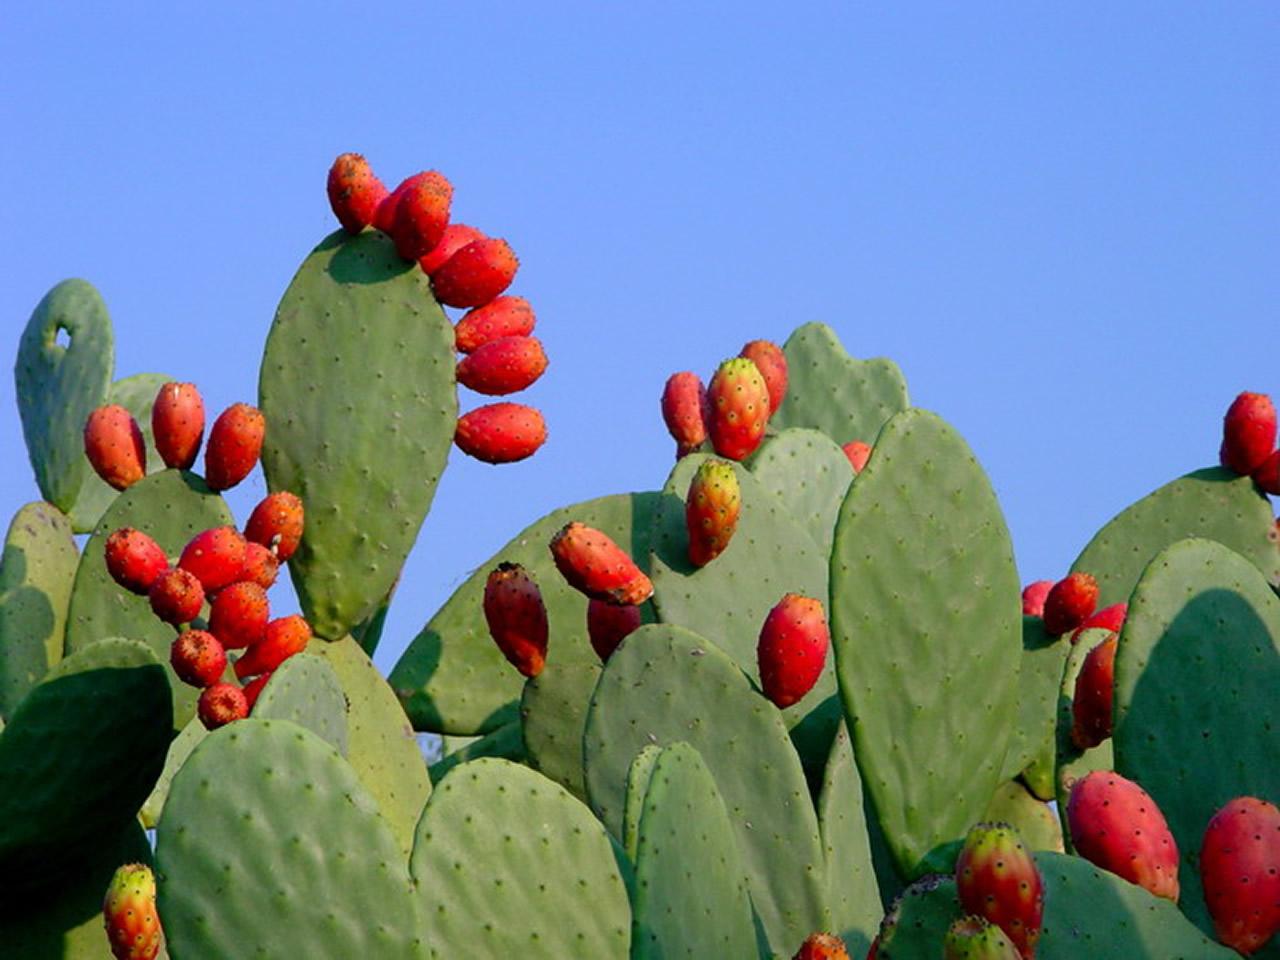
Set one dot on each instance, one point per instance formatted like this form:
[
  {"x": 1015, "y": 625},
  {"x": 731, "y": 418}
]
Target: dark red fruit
[
  {"x": 1069, "y": 603},
  {"x": 685, "y": 411},
  {"x": 609, "y": 624},
  {"x": 1091, "y": 704},
  {"x": 221, "y": 704},
  {"x": 1248, "y": 433},
  {"x": 772, "y": 364},
  {"x": 198, "y": 658},
  {"x": 254, "y": 687},
  {"x": 517, "y": 617},
  {"x": 238, "y": 615},
  {"x": 421, "y": 214},
  {"x": 1033, "y": 597},
  {"x": 176, "y": 596},
  {"x": 792, "y": 649},
  {"x": 215, "y": 557},
  {"x": 134, "y": 560}
]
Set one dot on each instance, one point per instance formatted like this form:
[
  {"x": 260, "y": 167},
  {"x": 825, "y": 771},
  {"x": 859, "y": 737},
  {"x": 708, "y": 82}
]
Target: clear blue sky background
[{"x": 1062, "y": 222}]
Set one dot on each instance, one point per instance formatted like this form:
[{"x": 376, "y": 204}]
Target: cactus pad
[
  {"x": 179, "y": 749},
  {"x": 553, "y": 712},
  {"x": 305, "y": 689},
  {"x": 1039, "y": 678},
  {"x": 809, "y": 474},
  {"x": 505, "y": 743},
  {"x": 637, "y": 785},
  {"x": 1036, "y": 822}
]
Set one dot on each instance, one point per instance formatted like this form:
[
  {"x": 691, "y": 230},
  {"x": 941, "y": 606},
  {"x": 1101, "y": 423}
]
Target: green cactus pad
[
  {"x": 926, "y": 625},
  {"x": 727, "y": 601},
  {"x": 357, "y": 387},
  {"x": 186, "y": 741},
  {"x": 1072, "y": 764},
  {"x": 553, "y": 712},
  {"x": 368, "y": 632},
  {"x": 853, "y": 896},
  {"x": 453, "y": 679},
  {"x": 1039, "y": 677},
  {"x": 80, "y": 754},
  {"x": 829, "y": 390},
  {"x": 381, "y": 745},
  {"x": 1036, "y": 822},
  {"x": 305, "y": 689},
  {"x": 633, "y": 806},
  {"x": 137, "y": 394},
  {"x": 505, "y": 743},
  {"x": 271, "y": 847},
  {"x": 923, "y": 913},
  {"x": 665, "y": 684},
  {"x": 509, "y": 864},
  {"x": 58, "y": 387},
  {"x": 809, "y": 474},
  {"x": 1214, "y": 503},
  {"x": 1196, "y": 685},
  {"x": 691, "y": 894},
  {"x": 36, "y": 572},
  {"x": 171, "y": 507}
]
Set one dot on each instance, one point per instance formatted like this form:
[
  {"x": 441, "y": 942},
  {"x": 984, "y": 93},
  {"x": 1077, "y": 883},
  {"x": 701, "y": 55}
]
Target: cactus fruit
[
  {"x": 1033, "y": 597},
  {"x": 129, "y": 914},
  {"x": 711, "y": 511},
  {"x": 421, "y": 214},
  {"x": 772, "y": 364},
  {"x": 1267, "y": 475},
  {"x": 261, "y": 566},
  {"x": 235, "y": 442},
  {"x": 355, "y": 192},
  {"x": 609, "y": 624},
  {"x": 239, "y": 614},
  {"x": 592, "y": 563},
  {"x": 501, "y": 432},
  {"x": 283, "y": 638},
  {"x": 1070, "y": 603},
  {"x": 277, "y": 524},
  {"x": 1109, "y": 618},
  {"x": 455, "y": 237},
  {"x": 503, "y": 366},
  {"x": 501, "y": 317},
  {"x": 858, "y": 453},
  {"x": 177, "y": 424},
  {"x": 517, "y": 617},
  {"x": 792, "y": 649},
  {"x": 476, "y": 274},
  {"x": 1248, "y": 433},
  {"x": 384, "y": 217},
  {"x": 1240, "y": 873},
  {"x": 176, "y": 596},
  {"x": 685, "y": 412},
  {"x": 215, "y": 557},
  {"x": 114, "y": 445},
  {"x": 1095, "y": 689},
  {"x": 973, "y": 938},
  {"x": 198, "y": 658},
  {"x": 997, "y": 879},
  {"x": 134, "y": 560},
  {"x": 738, "y": 401},
  {"x": 254, "y": 687},
  {"x": 1117, "y": 826},
  {"x": 221, "y": 704},
  {"x": 822, "y": 946}
]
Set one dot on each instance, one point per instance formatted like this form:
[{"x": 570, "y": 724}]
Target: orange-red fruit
[
  {"x": 973, "y": 938},
  {"x": 355, "y": 192},
  {"x": 738, "y": 400},
  {"x": 685, "y": 411},
  {"x": 238, "y": 615},
  {"x": 476, "y": 274},
  {"x": 609, "y": 624},
  {"x": 1109, "y": 618},
  {"x": 501, "y": 432},
  {"x": 385, "y": 215},
  {"x": 997, "y": 879},
  {"x": 858, "y": 453},
  {"x": 517, "y": 617},
  {"x": 114, "y": 445},
  {"x": 134, "y": 560},
  {"x": 254, "y": 687},
  {"x": 284, "y": 637},
  {"x": 1248, "y": 433},
  {"x": 234, "y": 445},
  {"x": 772, "y": 364},
  {"x": 421, "y": 214},
  {"x": 1091, "y": 704},
  {"x": 177, "y": 423},
  {"x": 221, "y": 704},
  {"x": 176, "y": 596},
  {"x": 198, "y": 658},
  {"x": 502, "y": 366},
  {"x": 260, "y": 565},
  {"x": 591, "y": 562},
  {"x": 1267, "y": 474},
  {"x": 502, "y": 317},
  {"x": 455, "y": 237},
  {"x": 1240, "y": 873},
  {"x": 1116, "y": 825},
  {"x": 277, "y": 523},
  {"x": 129, "y": 914},
  {"x": 215, "y": 557},
  {"x": 792, "y": 648},
  {"x": 1070, "y": 603},
  {"x": 822, "y": 946},
  {"x": 1034, "y": 596},
  {"x": 711, "y": 510}
]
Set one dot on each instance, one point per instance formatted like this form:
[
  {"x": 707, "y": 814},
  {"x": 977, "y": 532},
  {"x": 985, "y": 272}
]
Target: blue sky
[{"x": 1062, "y": 222}]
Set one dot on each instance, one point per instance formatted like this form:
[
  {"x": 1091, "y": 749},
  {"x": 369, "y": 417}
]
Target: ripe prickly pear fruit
[
  {"x": 501, "y": 317},
  {"x": 997, "y": 879},
  {"x": 1117, "y": 826},
  {"x": 1069, "y": 603},
  {"x": 973, "y": 938},
  {"x": 1248, "y": 433},
  {"x": 198, "y": 658},
  {"x": 221, "y": 704},
  {"x": 711, "y": 511},
  {"x": 1033, "y": 597},
  {"x": 1109, "y": 618},
  {"x": 1095, "y": 689},
  {"x": 685, "y": 411},
  {"x": 738, "y": 400},
  {"x": 277, "y": 523},
  {"x": 772, "y": 364},
  {"x": 792, "y": 648},
  {"x": 858, "y": 453},
  {"x": 455, "y": 237},
  {"x": 476, "y": 274},
  {"x": 822, "y": 946},
  {"x": 238, "y": 615},
  {"x": 501, "y": 432},
  {"x": 235, "y": 443},
  {"x": 592, "y": 563},
  {"x": 260, "y": 565},
  {"x": 177, "y": 423},
  {"x": 215, "y": 557},
  {"x": 355, "y": 192},
  {"x": 134, "y": 560},
  {"x": 129, "y": 914},
  {"x": 283, "y": 638},
  {"x": 421, "y": 214},
  {"x": 1240, "y": 873},
  {"x": 176, "y": 596},
  {"x": 254, "y": 687},
  {"x": 114, "y": 445},
  {"x": 503, "y": 366},
  {"x": 517, "y": 617},
  {"x": 609, "y": 624},
  {"x": 1267, "y": 475}
]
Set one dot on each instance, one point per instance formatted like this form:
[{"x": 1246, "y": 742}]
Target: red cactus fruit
[
  {"x": 517, "y": 617},
  {"x": 1248, "y": 433},
  {"x": 711, "y": 510},
  {"x": 177, "y": 423},
  {"x": 1069, "y": 603},
  {"x": 997, "y": 879},
  {"x": 421, "y": 214},
  {"x": 1033, "y": 597},
  {"x": 1240, "y": 873},
  {"x": 822, "y": 946},
  {"x": 129, "y": 914},
  {"x": 503, "y": 366},
  {"x": 609, "y": 624},
  {"x": 238, "y": 615},
  {"x": 792, "y": 648},
  {"x": 221, "y": 704},
  {"x": 235, "y": 443},
  {"x": 592, "y": 563},
  {"x": 476, "y": 274},
  {"x": 455, "y": 237},
  {"x": 772, "y": 364},
  {"x": 685, "y": 411},
  {"x": 277, "y": 524},
  {"x": 355, "y": 192},
  {"x": 858, "y": 453},
  {"x": 254, "y": 687},
  {"x": 284, "y": 637},
  {"x": 1108, "y": 618},
  {"x": 260, "y": 565},
  {"x": 1117, "y": 826},
  {"x": 114, "y": 445},
  {"x": 215, "y": 557},
  {"x": 176, "y": 596},
  {"x": 501, "y": 432},
  {"x": 973, "y": 938},
  {"x": 1091, "y": 704},
  {"x": 1267, "y": 474},
  {"x": 198, "y": 658},
  {"x": 134, "y": 560},
  {"x": 384, "y": 216},
  {"x": 501, "y": 317},
  {"x": 738, "y": 400}
]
